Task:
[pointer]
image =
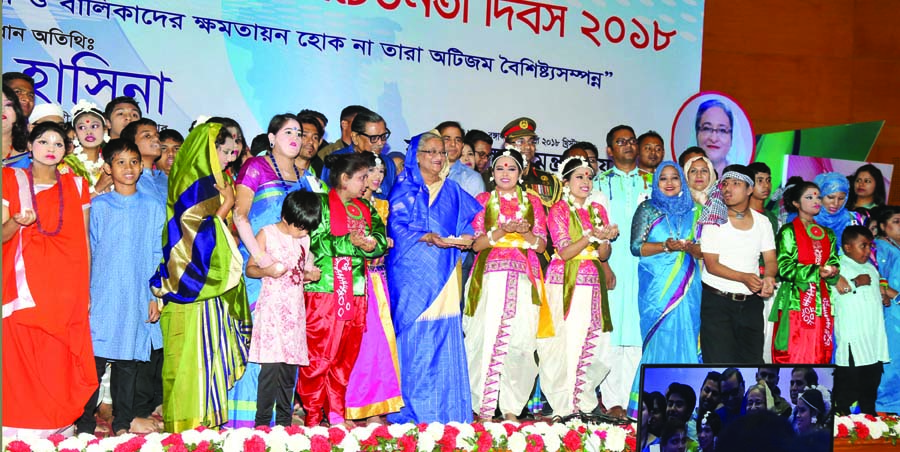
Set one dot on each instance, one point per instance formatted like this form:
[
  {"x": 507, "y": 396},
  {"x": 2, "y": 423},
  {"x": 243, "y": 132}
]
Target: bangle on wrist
[{"x": 665, "y": 247}]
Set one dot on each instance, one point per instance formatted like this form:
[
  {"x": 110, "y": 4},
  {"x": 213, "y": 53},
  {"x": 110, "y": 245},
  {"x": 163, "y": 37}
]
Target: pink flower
[
  {"x": 177, "y": 448},
  {"x": 631, "y": 442},
  {"x": 336, "y": 435},
  {"x": 842, "y": 431},
  {"x": 478, "y": 427},
  {"x": 201, "y": 428},
  {"x": 94, "y": 441},
  {"x": 485, "y": 441},
  {"x": 422, "y": 427},
  {"x": 203, "y": 446},
  {"x": 293, "y": 429},
  {"x": 582, "y": 429},
  {"x": 510, "y": 429},
  {"x": 382, "y": 432},
  {"x": 56, "y": 438},
  {"x": 69, "y": 450},
  {"x": 601, "y": 434},
  {"x": 263, "y": 428},
  {"x": 132, "y": 445},
  {"x": 18, "y": 446},
  {"x": 319, "y": 443},
  {"x": 572, "y": 440},
  {"x": 448, "y": 441},
  {"x": 535, "y": 443},
  {"x": 862, "y": 431},
  {"x": 172, "y": 439},
  {"x": 407, "y": 443},
  {"x": 255, "y": 444}
]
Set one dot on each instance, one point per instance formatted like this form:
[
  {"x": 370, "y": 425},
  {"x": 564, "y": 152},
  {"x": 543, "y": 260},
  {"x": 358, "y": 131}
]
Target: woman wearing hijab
[
  {"x": 663, "y": 234},
  {"x": 834, "y": 214},
  {"x": 427, "y": 208},
  {"x": 700, "y": 177}
]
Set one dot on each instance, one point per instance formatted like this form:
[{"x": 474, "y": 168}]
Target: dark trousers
[
  {"x": 731, "y": 331},
  {"x": 148, "y": 388},
  {"x": 121, "y": 384},
  {"x": 276, "y": 387},
  {"x": 856, "y": 384}
]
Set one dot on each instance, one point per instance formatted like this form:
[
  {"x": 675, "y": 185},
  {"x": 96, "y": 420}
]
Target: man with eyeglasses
[
  {"x": 732, "y": 385},
  {"x": 467, "y": 178},
  {"x": 368, "y": 132},
  {"x": 23, "y": 86},
  {"x": 622, "y": 188},
  {"x": 650, "y": 154},
  {"x": 481, "y": 143},
  {"x": 520, "y": 134}
]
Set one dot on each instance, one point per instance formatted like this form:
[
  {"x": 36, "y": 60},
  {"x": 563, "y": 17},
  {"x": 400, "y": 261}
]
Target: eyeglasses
[
  {"x": 24, "y": 93},
  {"x": 376, "y": 138},
  {"x": 710, "y": 130},
  {"x": 625, "y": 141},
  {"x": 432, "y": 152},
  {"x": 522, "y": 142}
]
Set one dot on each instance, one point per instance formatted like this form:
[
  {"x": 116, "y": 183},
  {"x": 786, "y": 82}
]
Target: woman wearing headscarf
[
  {"x": 427, "y": 208},
  {"x": 834, "y": 215},
  {"x": 663, "y": 231},
  {"x": 200, "y": 281},
  {"x": 700, "y": 177}
]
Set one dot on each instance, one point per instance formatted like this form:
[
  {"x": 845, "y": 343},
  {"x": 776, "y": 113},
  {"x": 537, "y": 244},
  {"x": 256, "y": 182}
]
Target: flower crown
[
  {"x": 562, "y": 165},
  {"x": 826, "y": 398},
  {"x": 83, "y": 107},
  {"x": 378, "y": 162},
  {"x": 705, "y": 419}
]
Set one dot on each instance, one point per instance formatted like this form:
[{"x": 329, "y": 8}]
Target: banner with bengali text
[{"x": 576, "y": 67}]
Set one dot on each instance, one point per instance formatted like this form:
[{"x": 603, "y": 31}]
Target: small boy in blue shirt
[{"x": 125, "y": 231}]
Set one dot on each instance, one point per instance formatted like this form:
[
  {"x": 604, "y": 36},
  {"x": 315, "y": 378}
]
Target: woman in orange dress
[{"x": 48, "y": 360}]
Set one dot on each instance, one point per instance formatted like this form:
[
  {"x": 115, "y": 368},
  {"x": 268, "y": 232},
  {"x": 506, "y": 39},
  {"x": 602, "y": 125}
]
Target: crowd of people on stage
[
  {"x": 219, "y": 281},
  {"x": 725, "y": 412}
]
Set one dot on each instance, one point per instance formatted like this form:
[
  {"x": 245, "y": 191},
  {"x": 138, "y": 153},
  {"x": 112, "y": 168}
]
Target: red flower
[
  {"x": 510, "y": 429},
  {"x": 132, "y": 445},
  {"x": 572, "y": 440},
  {"x": 177, "y": 448},
  {"x": 870, "y": 418},
  {"x": 842, "y": 432},
  {"x": 255, "y": 444},
  {"x": 631, "y": 442},
  {"x": 94, "y": 441},
  {"x": 534, "y": 443},
  {"x": 69, "y": 450},
  {"x": 422, "y": 427},
  {"x": 18, "y": 446},
  {"x": 448, "y": 441},
  {"x": 293, "y": 429},
  {"x": 372, "y": 442},
  {"x": 478, "y": 427},
  {"x": 336, "y": 435},
  {"x": 582, "y": 429},
  {"x": 263, "y": 428},
  {"x": 319, "y": 443},
  {"x": 485, "y": 441},
  {"x": 407, "y": 443},
  {"x": 203, "y": 446},
  {"x": 382, "y": 432},
  {"x": 172, "y": 439},
  {"x": 861, "y": 430},
  {"x": 201, "y": 428},
  {"x": 56, "y": 438}
]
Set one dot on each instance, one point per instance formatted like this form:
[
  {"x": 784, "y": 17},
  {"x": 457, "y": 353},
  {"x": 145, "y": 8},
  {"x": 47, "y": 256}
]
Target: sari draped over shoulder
[{"x": 425, "y": 304}]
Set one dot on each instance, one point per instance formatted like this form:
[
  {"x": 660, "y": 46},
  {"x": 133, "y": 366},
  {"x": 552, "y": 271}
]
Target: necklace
[
  {"x": 278, "y": 170},
  {"x": 34, "y": 203},
  {"x": 739, "y": 215}
]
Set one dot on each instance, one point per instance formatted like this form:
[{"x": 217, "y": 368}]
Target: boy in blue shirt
[{"x": 125, "y": 230}]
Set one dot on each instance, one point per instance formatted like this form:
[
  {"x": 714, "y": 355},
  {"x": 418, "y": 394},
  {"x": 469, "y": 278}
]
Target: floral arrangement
[
  {"x": 861, "y": 427},
  {"x": 514, "y": 437}
]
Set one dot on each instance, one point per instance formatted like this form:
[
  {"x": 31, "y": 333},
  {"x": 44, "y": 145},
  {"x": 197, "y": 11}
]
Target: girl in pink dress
[{"x": 278, "y": 343}]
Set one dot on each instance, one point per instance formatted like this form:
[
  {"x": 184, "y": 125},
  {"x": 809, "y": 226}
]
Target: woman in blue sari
[
  {"x": 888, "y": 245},
  {"x": 663, "y": 235},
  {"x": 427, "y": 208}
]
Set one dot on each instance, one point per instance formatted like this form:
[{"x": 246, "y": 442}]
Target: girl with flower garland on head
[
  {"x": 506, "y": 304},
  {"x": 91, "y": 133},
  {"x": 573, "y": 361},
  {"x": 374, "y": 386},
  {"x": 813, "y": 410},
  {"x": 808, "y": 267},
  {"x": 664, "y": 235},
  {"x": 48, "y": 359}
]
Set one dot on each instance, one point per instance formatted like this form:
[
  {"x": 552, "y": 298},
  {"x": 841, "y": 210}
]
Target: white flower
[
  {"x": 190, "y": 437},
  {"x": 349, "y": 444},
  {"x": 153, "y": 446},
  {"x": 496, "y": 430},
  {"x": 615, "y": 438},
  {"x": 466, "y": 431},
  {"x": 209, "y": 435},
  {"x": 75, "y": 442},
  {"x": 361, "y": 433},
  {"x": 435, "y": 430},
  {"x": 317, "y": 430},
  {"x": 398, "y": 430},
  {"x": 276, "y": 440},
  {"x": 42, "y": 445},
  {"x": 297, "y": 443},
  {"x": 517, "y": 442},
  {"x": 94, "y": 448},
  {"x": 426, "y": 442},
  {"x": 552, "y": 441}
]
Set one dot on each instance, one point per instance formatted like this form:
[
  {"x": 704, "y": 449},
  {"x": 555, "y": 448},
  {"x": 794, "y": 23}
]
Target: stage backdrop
[{"x": 577, "y": 67}]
